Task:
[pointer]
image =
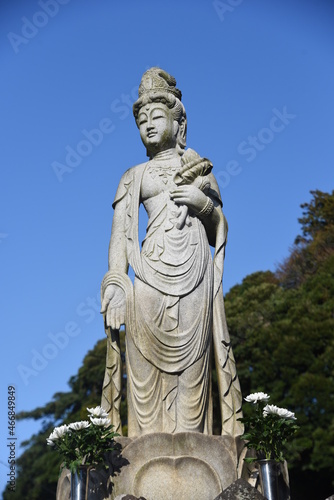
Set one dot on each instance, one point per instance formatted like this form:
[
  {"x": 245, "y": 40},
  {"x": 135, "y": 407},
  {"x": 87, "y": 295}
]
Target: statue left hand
[
  {"x": 114, "y": 306},
  {"x": 189, "y": 195}
]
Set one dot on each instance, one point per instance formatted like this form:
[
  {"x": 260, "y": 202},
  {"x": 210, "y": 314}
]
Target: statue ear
[
  {"x": 183, "y": 125},
  {"x": 182, "y": 132}
]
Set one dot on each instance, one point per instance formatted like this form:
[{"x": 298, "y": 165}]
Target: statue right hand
[{"x": 114, "y": 306}]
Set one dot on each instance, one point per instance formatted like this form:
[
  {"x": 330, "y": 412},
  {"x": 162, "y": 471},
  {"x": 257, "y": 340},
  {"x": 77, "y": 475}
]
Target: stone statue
[{"x": 174, "y": 311}]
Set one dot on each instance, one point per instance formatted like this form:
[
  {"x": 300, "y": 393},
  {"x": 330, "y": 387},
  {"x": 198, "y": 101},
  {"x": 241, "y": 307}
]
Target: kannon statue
[{"x": 174, "y": 312}]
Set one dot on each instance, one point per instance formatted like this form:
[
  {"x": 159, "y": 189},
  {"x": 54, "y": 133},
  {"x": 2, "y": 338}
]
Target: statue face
[{"x": 158, "y": 130}]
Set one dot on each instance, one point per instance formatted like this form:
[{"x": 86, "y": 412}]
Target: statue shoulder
[
  {"x": 132, "y": 176},
  {"x": 133, "y": 172}
]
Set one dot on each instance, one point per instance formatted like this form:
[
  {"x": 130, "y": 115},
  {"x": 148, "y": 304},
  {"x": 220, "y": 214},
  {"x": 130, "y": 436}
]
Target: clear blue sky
[{"x": 257, "y": 79}]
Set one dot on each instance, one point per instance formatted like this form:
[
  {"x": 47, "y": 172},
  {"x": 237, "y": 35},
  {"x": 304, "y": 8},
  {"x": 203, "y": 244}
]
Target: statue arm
[
  {"x": 213, "y": 221},
  {"x": 207, "y": 207},
  {"x": 112, "y": 295},
  {"x": 116, "y": 286},
  {"x": 118, "y": 260},
  {"x": 216, "y": 221}
]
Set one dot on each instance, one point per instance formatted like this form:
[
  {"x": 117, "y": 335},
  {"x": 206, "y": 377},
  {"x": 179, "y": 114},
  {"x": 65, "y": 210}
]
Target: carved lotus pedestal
[{"x": 185, "y": 466}]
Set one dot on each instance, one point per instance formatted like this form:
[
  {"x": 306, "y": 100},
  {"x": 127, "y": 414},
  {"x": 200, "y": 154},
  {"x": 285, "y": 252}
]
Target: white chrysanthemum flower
[
  {"x": 257, "y": 396},
  {"x": 77, "y": 426},
  {"x": 281, "y": 412},
  {"x": 58, "y": 432},
  {"x": 98, "y": 411},
  {"x": 49, "y": 442},
  {"x": 100, "y": 422}
]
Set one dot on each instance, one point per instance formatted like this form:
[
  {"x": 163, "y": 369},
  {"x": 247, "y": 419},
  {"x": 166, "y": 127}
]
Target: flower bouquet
[
  {"x": 85, "y": 442},
  {"x": 268, "y": 429}
]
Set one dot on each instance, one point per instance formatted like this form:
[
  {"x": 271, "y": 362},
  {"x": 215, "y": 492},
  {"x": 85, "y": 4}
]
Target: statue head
[{"x": 158, "y": 86}]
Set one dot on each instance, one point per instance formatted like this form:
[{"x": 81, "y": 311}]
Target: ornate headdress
[
  {"x": 157, "y": 80},
  {"x": 156, "y": 85}
]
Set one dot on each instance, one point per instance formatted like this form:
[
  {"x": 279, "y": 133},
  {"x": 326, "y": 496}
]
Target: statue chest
[{"x": 158, "y": 178}]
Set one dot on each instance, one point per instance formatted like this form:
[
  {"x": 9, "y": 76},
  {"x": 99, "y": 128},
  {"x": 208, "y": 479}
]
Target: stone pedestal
[
  {"x": 160, "y": 466},
  {"x": 240, "y": 490},
  {"x": 178, "y": 466}
]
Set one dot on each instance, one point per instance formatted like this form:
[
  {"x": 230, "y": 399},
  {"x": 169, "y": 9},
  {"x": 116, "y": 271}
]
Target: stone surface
[
  {"x": 240, "y": 490},
  {"x": 129, "y": 497},
  {"x": 174, "y": 312},
  {"x": 166, "y": 467},
  {"x": 184, "y": 466}
]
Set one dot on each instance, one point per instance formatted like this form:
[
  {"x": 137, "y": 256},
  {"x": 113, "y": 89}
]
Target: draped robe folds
[{"x": 175, "y": 309}]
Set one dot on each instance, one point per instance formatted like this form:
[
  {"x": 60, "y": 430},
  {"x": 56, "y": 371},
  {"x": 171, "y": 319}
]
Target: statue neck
[{"x": 168, "y": 154}]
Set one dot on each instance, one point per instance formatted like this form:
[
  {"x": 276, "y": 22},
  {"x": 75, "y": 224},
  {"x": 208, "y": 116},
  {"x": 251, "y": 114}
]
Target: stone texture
[
  {"x": 240, "y": 490},
  {"x": 129, "y": 497},
  {"x": 178, "y": 466},
  {"x": 185, "y": 466},
  {"x": 174, "y": 311},
  {"x": 174, "y": 316}
]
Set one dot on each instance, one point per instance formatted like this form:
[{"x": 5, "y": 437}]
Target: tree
[
  {"x": 282, "y": 329},
  {"x": 282, "y": 326},
  {"x": 314, "y": 245},
  {"x": 38, "y": 466},
  {"x": 318, "y": 216}
]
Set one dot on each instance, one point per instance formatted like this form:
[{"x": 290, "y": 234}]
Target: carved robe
[{"x": 175, "y": 309}]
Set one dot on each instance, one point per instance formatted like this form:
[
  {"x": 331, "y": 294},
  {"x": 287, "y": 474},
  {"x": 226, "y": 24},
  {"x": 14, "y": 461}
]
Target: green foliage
[
  {"x": 282, "y": 328},
  {"x": 38, "y": 470},
  {"x": 315, "y": 245},
  {"x": 38, "y": 465},
  {"x": 318, "y": 215}
]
